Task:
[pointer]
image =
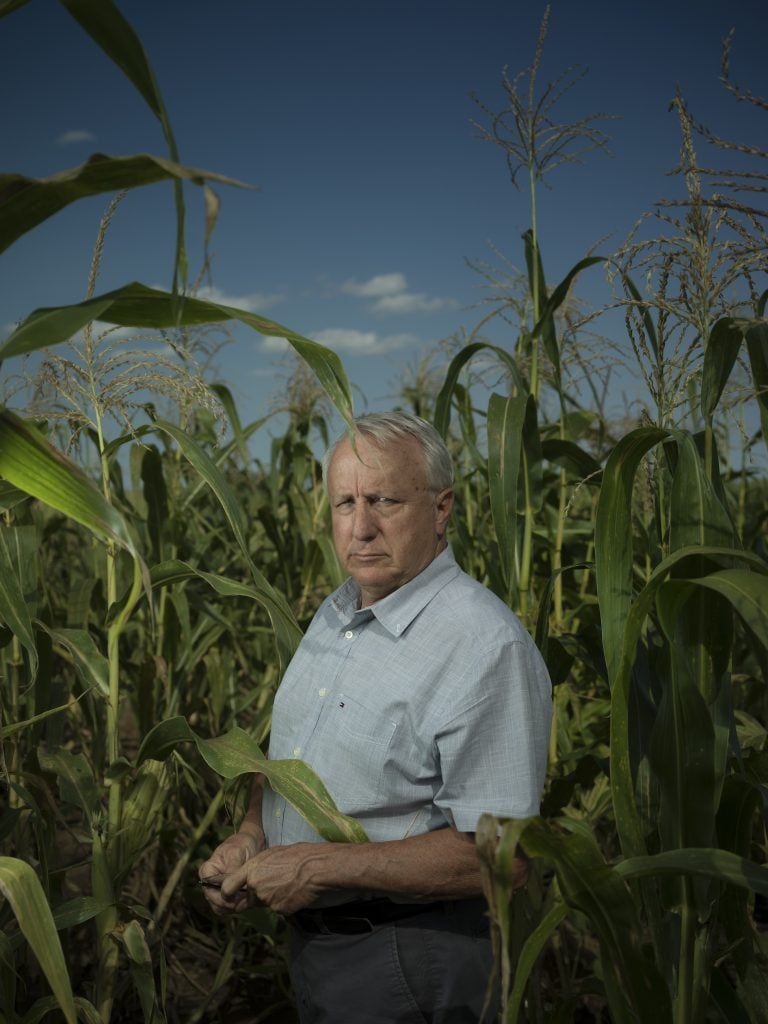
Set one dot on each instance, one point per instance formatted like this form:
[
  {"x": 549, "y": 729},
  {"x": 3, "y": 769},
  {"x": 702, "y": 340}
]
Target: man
[{"x": 421, "y": 701}]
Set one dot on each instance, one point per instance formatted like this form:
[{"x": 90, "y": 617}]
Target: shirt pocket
[{"x": 359, "y": 746}]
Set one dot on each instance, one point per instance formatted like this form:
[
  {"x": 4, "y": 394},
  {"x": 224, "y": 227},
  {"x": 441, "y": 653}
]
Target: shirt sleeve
[{"x": 493, "y": 751}]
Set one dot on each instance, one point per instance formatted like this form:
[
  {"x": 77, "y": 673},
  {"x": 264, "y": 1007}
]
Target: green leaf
[
  {"x": 643, "y": 305},
  {"x": 696, "y": 514},
  {"x": 443, "y": 401},
  {"x": 635, "y": 989},
  {"x": 30, "y": 463},
  {"x": 135, "y": 305},
  {"x": 6, "y": 6},
  {"x": 21, "y": 888},
  {"x": 532, "y": 949},
  {"x": 613, "y": 538},
  {"x": 748, "y": 595},
  {"x": 287, "y": 630},
  {"x": 721, "y": 865},
  {"x": 505, "y": 432},
  {"x": 26, "y": 202},
  {"x": 236, "y": 753},
  {"x": 113, "y": 34},
  {"x": 682, "y": 750},
  {"x": 134, "y": 941},
  {"x": 757, "y": 348},
  {"x": 622, "y": 784},
  {"x": 77, "y": 784},
  {"x": 88, "y": 661},
  {"x": 572, "y": 458},
  {"x": 720, "y": 354},
  {"x": 13, "y": 607}
]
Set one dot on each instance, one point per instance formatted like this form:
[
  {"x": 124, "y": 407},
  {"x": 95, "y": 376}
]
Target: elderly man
[{"x": 421, "y": 701}]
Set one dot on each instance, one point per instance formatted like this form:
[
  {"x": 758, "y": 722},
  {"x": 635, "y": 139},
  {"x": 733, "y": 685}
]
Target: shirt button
[
  {"x": 349, "y": 634},
  {"x": 322, "y": 692},
  {"x": 278, "y": 813},
  {"x": 296, "y": 751}
]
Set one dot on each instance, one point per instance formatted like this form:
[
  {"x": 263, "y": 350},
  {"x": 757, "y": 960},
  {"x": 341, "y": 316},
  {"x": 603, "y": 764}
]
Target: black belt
[{"x": 359, "y": 916}]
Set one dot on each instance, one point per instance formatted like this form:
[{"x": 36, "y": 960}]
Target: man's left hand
[{"x": 280, "y": 877}]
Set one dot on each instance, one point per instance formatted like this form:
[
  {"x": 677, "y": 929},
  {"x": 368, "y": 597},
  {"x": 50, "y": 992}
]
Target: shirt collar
[{"x": 397, "y": 610}]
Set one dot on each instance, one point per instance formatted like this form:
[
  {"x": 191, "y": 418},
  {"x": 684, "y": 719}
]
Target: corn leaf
[
  {"x": 33, "y": 465},
  {"x": 236, "y": 753},
  {"x": 721, "y": 865},
  {"x": 613, "y": 539},
  {"x": 505, "y": 431},
  {"x": 26, "y": 202},
  {"x": 77, "y": 784},
  {"x": 106, "y": 25},
  {"x": 443, "y": 401},
  {"x": 532, "y": 949},
  {"x": 757, "y": 349},
  {"x": 720, "y": 354},
  {"x": 748, "y": 595},
  {"x": 13, "y": 607},
  {"x": 87, "y": 660},
  {"x": 697, "y": 515},
  {"x": 682, "y": 751},
  {"x": 635, "y": 989},
  {"x": 135, "y": 305},
  {"x": 622, "y": 783},
  {"x": 135, "y": 944},
  {"x": 21, "y": 888},
  {"x": 6, "y": 6}
]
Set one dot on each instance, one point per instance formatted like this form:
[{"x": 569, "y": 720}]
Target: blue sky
[{"x": 354, "y": 121}]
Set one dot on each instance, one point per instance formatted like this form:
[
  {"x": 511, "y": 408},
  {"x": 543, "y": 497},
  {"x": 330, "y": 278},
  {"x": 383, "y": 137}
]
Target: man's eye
[{"x": 384, "y": 501}]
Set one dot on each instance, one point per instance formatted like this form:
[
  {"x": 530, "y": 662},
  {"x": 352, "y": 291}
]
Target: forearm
[{"x": 437, "y": 865}]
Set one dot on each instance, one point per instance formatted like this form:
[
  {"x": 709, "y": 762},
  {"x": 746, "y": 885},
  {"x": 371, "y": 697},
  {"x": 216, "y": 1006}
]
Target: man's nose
[{"x": 363, "y": 523}]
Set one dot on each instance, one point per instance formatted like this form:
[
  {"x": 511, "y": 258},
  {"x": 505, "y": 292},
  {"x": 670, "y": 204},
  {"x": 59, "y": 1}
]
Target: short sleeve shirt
[{"x": 426, "y": 709}]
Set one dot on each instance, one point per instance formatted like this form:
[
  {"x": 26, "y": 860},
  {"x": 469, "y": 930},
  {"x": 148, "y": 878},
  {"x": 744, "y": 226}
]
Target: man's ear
[{"x": 443, "y": 509}]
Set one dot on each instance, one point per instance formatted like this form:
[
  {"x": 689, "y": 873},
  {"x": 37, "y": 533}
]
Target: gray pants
[{"x": 430, "y": 969}]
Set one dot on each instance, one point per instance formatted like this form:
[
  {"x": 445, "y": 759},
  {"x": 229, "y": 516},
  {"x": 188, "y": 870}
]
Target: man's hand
[
  {"x": 280, "y": 877},
  {"x": 227, "y": 858}
]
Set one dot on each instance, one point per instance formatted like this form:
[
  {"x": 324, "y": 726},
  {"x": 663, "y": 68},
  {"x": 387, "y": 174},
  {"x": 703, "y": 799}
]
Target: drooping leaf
[
  {"x": 87, "y": 660},
  {"x": 33, "y": 465},
  {"x": 135, "y": 305},
  {"x": 236, "y": 753},
  {"x": 26, "y": 202},
  {"x": 459, "y": 361},
  {"x": 572, "y": 458},
  {"x": 21, "y": 888},
  {"x": 707, "y": 862}
]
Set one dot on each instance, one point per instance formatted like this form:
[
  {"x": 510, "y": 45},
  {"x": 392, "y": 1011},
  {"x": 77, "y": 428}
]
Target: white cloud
[
  {"x": 391, "y": 295},
  {"x": 75, "y": 135},
  {"x": 411, "y": 302},
  {"x": 349, "y": 341},
  {"x": 254, "y": 302},
  {"x": 375, "y": 287}
]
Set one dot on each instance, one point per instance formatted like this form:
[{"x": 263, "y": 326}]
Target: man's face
[{"x": 387, "y": 524}]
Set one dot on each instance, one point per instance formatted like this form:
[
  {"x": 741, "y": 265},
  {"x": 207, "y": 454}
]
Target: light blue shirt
[{"x": 427, "y": 709}]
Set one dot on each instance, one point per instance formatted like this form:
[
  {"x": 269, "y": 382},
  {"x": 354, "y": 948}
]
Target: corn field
[{"x": 154, "y": 582}]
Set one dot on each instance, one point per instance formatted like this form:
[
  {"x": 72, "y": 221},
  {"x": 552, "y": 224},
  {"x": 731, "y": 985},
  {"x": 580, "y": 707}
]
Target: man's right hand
[{"x": 227, "y": 857}]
